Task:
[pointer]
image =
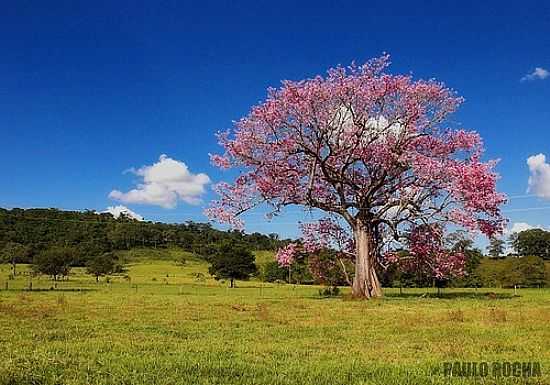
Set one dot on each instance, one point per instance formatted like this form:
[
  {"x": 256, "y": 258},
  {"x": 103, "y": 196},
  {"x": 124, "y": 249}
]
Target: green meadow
[{"x": 166, "y": 323}]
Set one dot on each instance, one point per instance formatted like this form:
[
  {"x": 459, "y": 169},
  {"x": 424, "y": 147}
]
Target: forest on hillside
[{"x": 91, "y": 233}]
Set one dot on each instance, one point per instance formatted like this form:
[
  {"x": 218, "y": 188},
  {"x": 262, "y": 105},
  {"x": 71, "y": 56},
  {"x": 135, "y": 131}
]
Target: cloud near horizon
[
  {"x": 116, "y": 211},
  {"x": 164, "y": 184},
  {"x": 539, "y": 178},
  {"x": 538, "y": 74},
  {"x": 518, "y": 227}
]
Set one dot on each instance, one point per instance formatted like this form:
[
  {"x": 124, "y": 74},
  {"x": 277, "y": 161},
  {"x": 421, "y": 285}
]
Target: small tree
[
  {"x": 13, "y": 253},
  {"x": 55, "y": 261},
  {"x": 232, "y": 261},
  {"x": 103, "y": 264},
  {"x": 427, "y": 259},
  {"x": 496, "y": 247}
]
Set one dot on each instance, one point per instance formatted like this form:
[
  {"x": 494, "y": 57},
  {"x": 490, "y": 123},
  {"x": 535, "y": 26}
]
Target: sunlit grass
[{"x": 167, "y": 323}]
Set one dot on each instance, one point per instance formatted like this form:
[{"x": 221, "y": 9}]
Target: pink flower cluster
[
  {"x": 286, "y": 255},
  {"x": 427, "y": 255},
  {"x": 326, "y": 233}
]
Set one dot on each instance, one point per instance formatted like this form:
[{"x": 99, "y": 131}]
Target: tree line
[
  {"x": 528, "y": 266},
  {"x": 55, "y": 240}
]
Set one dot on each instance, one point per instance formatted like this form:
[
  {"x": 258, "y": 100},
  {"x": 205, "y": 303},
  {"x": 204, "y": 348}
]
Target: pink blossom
[
  {"x": 286, "y": 255},
  {"x": 326, "y": 233},
  {"x": 427, "y": 255}
]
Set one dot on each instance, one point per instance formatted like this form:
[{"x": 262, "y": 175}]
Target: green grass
[{"x": 166, "y": 326}]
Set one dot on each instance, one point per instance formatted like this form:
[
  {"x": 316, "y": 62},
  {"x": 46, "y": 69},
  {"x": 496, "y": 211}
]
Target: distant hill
[{"x": 93, "y": 233}]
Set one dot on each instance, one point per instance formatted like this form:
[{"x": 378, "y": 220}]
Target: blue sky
[{"x": 91, "y": 89}]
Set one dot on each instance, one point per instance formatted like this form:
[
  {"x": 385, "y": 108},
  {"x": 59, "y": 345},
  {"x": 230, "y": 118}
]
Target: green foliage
[
  {"x": 54, "y": 261},
  {"x": 532, "y": 242},
  {"x": 524, "y": 272},
  {"x": 471, "y": 277},
  {"x": 232, "y": 261},
  {"x": 459, "y": 240},
  {"x": 491, "y": 272},
  {"x": 272, "y": 272},
  {"x": 103, "y": 264},
  {"x": 298, "y": 273},
  {"x": 496, "y": 247},
  {"x": 89, "y": 249},
  {"x": 93, "y": 234},
  {"x": 527, "y": 271},
  {"x": 326, "y": 268},
  {"x": 14, "y": 253}
]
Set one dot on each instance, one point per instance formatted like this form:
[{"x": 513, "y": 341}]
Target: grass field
[{"x": 168, "y": 324}]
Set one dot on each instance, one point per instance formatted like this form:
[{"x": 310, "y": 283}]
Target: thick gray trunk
[{"x": 365, "y": 282}]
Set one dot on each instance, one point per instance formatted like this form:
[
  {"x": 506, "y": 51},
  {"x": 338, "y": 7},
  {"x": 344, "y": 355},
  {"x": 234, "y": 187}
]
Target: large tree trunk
[{"x": 365, "y": 282}]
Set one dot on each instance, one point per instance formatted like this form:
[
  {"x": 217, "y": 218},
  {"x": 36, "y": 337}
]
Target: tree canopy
[
  {"x": 54, "y": 261},
  {"x": 232, "y": 261},
  {"x": 103, "y": 264},
  {"x": 532, "y": 242}
]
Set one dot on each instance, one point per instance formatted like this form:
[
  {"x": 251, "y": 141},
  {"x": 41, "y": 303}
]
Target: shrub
[
  {"x": 331, "y": 291},
  {"x": 272, "y": 272}
]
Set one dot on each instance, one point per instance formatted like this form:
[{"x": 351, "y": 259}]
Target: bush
[
  {"x": 491, "y": 272},
  {"x": 331, "y": 291},
  {"x": 272, "y": 272}
]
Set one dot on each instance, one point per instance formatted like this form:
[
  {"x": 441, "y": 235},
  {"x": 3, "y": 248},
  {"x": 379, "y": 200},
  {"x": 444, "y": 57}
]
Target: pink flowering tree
[
  {"x": 427, "y": 255},
  {"x": 372, "y": 150},
  {"x": 328, "y": 235}
]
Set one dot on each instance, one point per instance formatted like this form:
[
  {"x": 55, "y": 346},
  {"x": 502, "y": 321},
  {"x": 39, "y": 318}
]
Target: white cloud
[
  {"x": 164, "y": 183},
  {"x": 378, "y": 127},
  {"x": 518, "y": 227},
  {"x": 538, "y": 74},
  {"x": 539, "y": 178},
  {"x": 116, "y": 211}
]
